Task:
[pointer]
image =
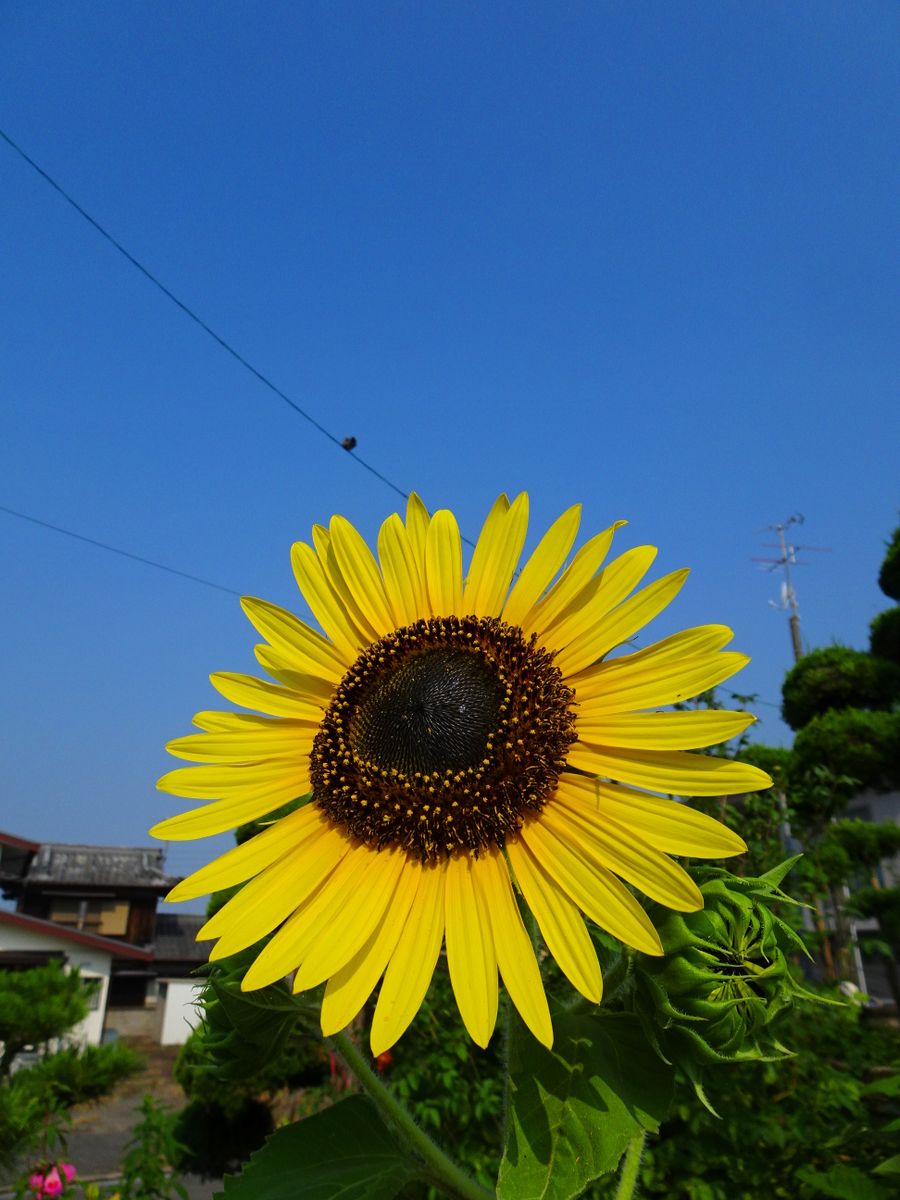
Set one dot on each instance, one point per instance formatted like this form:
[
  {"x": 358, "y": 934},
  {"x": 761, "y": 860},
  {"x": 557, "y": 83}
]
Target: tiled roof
[
  {"x": 100, "y": 866},
  {"x": 176, "y": 935},
  {"x": 52, "y": 930}
]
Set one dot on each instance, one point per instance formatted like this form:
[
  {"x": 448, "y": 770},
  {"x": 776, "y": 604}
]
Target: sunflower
[{"x": 466, "y": 740}]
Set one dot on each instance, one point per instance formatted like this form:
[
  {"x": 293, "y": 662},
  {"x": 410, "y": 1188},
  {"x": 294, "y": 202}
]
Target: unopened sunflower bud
[{"x": 724, "y": 979}]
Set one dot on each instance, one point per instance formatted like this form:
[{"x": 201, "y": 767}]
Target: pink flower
[
  {"x": 53, "y": 1185},
  {"x": 68, "y": 1170},
  {"x": 36, "y": 1182}
]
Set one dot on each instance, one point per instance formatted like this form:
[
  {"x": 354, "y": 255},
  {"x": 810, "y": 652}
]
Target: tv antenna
[{"x": 786, "y": 560}]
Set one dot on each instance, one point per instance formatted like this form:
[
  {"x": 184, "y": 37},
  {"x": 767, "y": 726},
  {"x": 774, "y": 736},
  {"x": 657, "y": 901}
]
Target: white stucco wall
[
  {"x": 92, "y": 963},
  {"x": 177, "y": 1002}
]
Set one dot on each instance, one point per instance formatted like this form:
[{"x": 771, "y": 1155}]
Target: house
[{"x": 95, "y": 907}]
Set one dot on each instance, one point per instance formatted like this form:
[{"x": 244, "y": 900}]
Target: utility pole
[{"x": 786, "y": 559}]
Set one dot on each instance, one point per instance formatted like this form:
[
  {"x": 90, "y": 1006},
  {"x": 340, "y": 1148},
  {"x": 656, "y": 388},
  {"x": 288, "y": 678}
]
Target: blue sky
[{"x": 643, "y": 256}]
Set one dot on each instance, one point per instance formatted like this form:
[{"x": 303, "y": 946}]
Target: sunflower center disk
[
  {"x": 443, "y": 736},
  {"x": 435, "y": 712}
]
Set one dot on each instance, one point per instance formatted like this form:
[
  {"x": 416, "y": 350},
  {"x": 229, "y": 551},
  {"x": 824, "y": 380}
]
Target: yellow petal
[
  {"x": 417, "y": 522},
  {"x": 312, "y": 652},
  {"x": 471, "y": 955},
  {"x": 595, "y": 890},
  {"x": 250, "y": 692},
  {"x": 690, "y": 730},
  {"x": 346, "y": 594},
  {"x": 253, "y": 856},
  {"x": 619, "y": 625},
  {"x": 222, "y": 722},
  {"x": 319, "y": 908},
  {"x": 515, "y": 953},
  {"x": 495, "y": 557},
  {"x": 568, "y": 588},
  {"x": 360, "y": 570},
  {"x": 363, "y": 912},
  {"x": 541, "y": 568},
  {"x": 222, "y": 815},
  {"x": 666, "y": 824},
  {"x": 625, "y": 853},
  {"x": 412, "y": 964},
  {"x": 559, "y": 921},
  {"x": 670, "y": 771},
  {"x": 600, "y": 596},
  {"x": 404, "y": 582},
  {"x": 283, "y": 668},
  {"x": 443, "y": 564},
  {"x": 629, "y": 684},
  {"x": 211, "y": 782},
  {"x": 350, "y": 987},
  {"x": 325, "y": 604},
  {"x": 261, "y": 905},
  {"x": 289, "y": 741}
]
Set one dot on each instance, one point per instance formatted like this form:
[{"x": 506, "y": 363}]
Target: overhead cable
[{"x": 341, "y": 443}]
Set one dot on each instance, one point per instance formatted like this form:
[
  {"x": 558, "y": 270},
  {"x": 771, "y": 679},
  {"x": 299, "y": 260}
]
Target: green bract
[{"x": 725, "y": 977}]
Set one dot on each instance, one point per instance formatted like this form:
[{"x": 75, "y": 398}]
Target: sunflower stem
[
  {"x": 630, "y": 1166},
  {"x": 441, "y": 1170}
]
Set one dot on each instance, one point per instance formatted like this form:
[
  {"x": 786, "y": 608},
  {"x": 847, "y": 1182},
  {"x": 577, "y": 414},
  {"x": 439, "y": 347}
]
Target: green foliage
[
  {"x": 864, "y": 842},
  {"x": 343, "y": 1151},
  {"x": 21, "y": 1115},
  {"x": 837, "y": 677},
  {"x": 864, "y": 746},
  {"x": 38, "y": 1005},
  {"x": 783, "y": 1123},
  {"x": 889, "y": 575},
  {"x": 78, "y": 1074},
  {"x": 152, "y": 1152},
  {"x": 245, "y": 1035},
  {"x": 249, "y": 1044},
  {"x": 884, "y": 905},
  {"x": 575, "y": 1108},
  {"x": 453, "y": 1090},
  {"x": 884, "y": 635}
]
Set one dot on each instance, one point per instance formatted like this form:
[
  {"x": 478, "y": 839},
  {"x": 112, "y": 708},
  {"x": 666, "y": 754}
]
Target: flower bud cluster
[{"x": 725, "y": 977}]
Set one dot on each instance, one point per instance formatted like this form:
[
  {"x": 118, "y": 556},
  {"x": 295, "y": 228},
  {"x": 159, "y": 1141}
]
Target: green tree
[
  {"x": 837, "y": 677},
  {"x": 37, "y": 1006}
]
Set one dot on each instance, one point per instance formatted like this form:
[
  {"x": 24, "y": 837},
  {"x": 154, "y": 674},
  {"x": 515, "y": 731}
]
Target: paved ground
[{"x": 100, "y": 1132}]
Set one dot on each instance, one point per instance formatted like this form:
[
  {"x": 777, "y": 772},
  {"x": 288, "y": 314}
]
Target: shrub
[
  {"x": 837, "y": 677},
  {"x": 884, "y": 634},
  {"x": 889, "y": 575},
  {"x": 864, "y": 746},
  {"x": 20, "y": 1122},
  {"x": 79, "y": 1073}
]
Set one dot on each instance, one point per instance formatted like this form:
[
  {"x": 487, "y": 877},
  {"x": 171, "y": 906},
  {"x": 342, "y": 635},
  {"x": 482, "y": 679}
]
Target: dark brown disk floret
[{"x": 443, "y": 736}]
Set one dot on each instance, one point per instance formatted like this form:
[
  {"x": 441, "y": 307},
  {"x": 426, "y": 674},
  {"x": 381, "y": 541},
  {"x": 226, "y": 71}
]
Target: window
[
  {"x": 109, "y": 918},
  {"x": 93, "y": 987}
]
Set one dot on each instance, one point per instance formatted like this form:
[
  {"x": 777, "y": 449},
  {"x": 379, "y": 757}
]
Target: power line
[
  {"x": 189, "y": 312},
  {"x": 148, "y": 562}
]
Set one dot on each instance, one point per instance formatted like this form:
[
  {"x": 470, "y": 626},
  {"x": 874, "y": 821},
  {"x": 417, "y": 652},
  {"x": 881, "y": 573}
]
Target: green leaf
[
  {"x": 246, "y": 1030},
  {"x": 344, "y": 1151},
  {"x": 844, "y": 1183},
  {"x": 776, "y": 875},
  {"x": 888, "y": 1086},
  {"x": 890, "y": 1166},
  {"x": 573, "y": 1110}
]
